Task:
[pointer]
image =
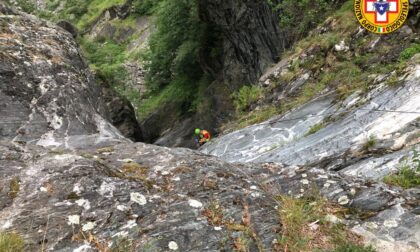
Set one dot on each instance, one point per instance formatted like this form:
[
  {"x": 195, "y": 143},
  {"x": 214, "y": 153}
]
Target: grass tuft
[
  {"x": 14, "y": 187},
  {"x": 246, "y": 96},
  {"x": 315, "y": 128},
  {"x": 408, "y": 176},
  {"x": 369, "y": 143},
  {"x": 305, "y": 228},
  {"x": 11, "y": 242}
]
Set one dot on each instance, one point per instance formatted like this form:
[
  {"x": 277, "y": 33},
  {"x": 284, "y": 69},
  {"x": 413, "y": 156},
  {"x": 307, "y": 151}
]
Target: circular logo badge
[{"x": 381, "y": 16}]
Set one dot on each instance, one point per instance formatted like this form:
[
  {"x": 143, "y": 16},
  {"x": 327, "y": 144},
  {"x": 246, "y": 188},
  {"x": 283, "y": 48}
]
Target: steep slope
[
  {"x": 70, "y": 181},
  {"x": 349, "y": 111}
]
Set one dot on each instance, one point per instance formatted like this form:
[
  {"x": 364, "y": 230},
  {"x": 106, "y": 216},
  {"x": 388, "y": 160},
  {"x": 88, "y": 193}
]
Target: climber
[{"x": 203, "y": 136}]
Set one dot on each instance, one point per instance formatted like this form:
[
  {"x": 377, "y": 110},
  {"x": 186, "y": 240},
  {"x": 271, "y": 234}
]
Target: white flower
[
  {"x": 173, "y": 246},
  {"x": 138, "y": 198},
  {"x": 305, "y": 181},
  {"x": 73, "y": 220},
  {"x": 195, "y": 203},
  {"x": 217, "y": 228},
  {"x": 88, "y": 226}
]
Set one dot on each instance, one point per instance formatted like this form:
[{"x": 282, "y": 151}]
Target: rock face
[
  {"x": 250, "y": 36},
  {"x": 339, "y": 148},
  {"x": 70, "y": 182},
  {"x": 119, "y": 111},
  {"x": 250, "y": 41},
  {"x": 46, "y": 82}
]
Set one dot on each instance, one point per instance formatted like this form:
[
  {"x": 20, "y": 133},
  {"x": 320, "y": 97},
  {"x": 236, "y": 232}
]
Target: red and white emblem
[{"x": 384, "y": 17}]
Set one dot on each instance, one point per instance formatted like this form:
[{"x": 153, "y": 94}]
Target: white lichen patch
[
  {"x": 73, "y": 219},
  {"x": 195, "y": 203},
  {"x": 121, "y": 234},
  {"x": 371, "y": 225},
  {"x": 305, "y": 181},
  {"x": 107, "y": 190},
  {"x": 333, "y": 219},
  {"x": 88, "y": 226},
  {"x": 126, "y": 160},
  {"x": 83, "y": 248},
  {"x": 255, "y": 194},
  {"x": 83, "y": 203},
  {"x": 77, "y": 188},
  {"x": 130, "y": 224},
  {"x": 138, "y": 198},
  {"x": 391, "y": 223},
  {"x": 343, "y": 200},
  {"x": 122, "y": 208},
  {"x": 173, "y": 245}
]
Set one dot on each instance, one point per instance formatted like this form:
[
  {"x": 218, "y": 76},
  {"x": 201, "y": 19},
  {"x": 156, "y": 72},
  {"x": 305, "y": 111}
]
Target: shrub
[
  {"x": 246, "y": 96},
  {"x": 315, "y": 128},
  {"x": 27, "y": 6},
  {"x": 175, "y": 45},
  {"x": 369, "y": 143},
  {"x": 354, "y": 248},
  {"x": 145, "y": 7},
  {"x": 410, "y": 52},
  {"x": 11, "y": 242},
  {"x": 299, "y": 17},
  {"x": 408, "y": 176}
]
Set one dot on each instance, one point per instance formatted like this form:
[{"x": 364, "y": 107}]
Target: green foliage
[
  {"x": 178, "y": 92},
  {"x": 173, "y": 69},
  {"x": 246, "y": 96},
  {"x": 87, "y": 11},
  {"x": 175, "y": 44},
  {"x": 410, "y": 52},
  {"x": 106, "y": 58},
  {"x": 11, "y": 242},
  {"x": 315, "y": 128},
  {"x": 27, "y": 6},
  {"x": 354, "y": 248},
  {"x": 369, "y": 143},
  {"x": 145, "y": 7},
  {"x": 408, "y": 176},
  {"x": 299, "y": 17}
]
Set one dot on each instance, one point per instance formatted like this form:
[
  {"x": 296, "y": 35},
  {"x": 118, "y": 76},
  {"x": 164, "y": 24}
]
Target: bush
[
  {"x": 11, "y": 242},
  {"x": 297, "y": 18},
  {"x": 410, "y": 52},
  {"x": 106, "y": 57},
  {"x": 145, "y": 7},
  {"x": 408, "y": 176},
  {"x": 246, "y": 96},
  {"x": 176, "y": 43},
  {"x": 354, "y": 248}
]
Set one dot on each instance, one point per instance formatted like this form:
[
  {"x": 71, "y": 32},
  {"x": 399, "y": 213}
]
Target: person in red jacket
[{"x": 203, "y": 136}]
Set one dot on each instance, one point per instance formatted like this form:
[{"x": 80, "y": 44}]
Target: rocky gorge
[{"x": 73, "y": 178}]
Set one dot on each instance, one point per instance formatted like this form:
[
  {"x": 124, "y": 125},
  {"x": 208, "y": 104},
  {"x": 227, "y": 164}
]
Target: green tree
[{"x": 175, "y": 45}]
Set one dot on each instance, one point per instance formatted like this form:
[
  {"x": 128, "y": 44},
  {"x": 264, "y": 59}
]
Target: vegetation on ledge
[{"x": 409, "y": 174}]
